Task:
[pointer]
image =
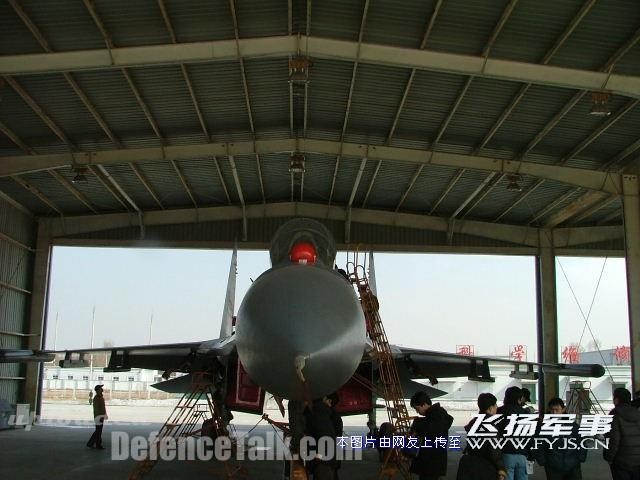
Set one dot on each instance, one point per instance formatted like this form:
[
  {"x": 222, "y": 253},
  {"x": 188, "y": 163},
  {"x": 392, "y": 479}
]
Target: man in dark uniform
[
  {"x": 431, "y": 462},
  {"x": 99, "y": 416},
  {"x": 322, "y": 420}
]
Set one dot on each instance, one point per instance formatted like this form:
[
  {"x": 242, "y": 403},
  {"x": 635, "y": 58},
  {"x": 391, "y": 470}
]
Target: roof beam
[
  {"x": 414, "y": 177},
  {"x": 585, "y": 201},
  {"x": 108, "y": 185},
  {"x": 590, "y": 211},
  {"x": 306, "y": 85},
  {"x": 321, "y": 48},
  {"x": 575, "y": 151},
  {"x": 35, "y": 191},
  {"x": 103, "y": 175},
  {"x": 143, "y": 179},
  {"x": 236, "y": 179},
  {"x": 38, "y": 111},
  {"x": 16, "y": 140},
  {"x": 506, "y": 13},
  {"x": 519, "y": 235},
  {"x": 354, "y": 72},
  {"x": 224, "y": 184},
  {"x": 590, "y": 179},
  {"x": 185, "y": 72},
  {"x": 15, "y": 204},
  {"x": 545, "y": 60},
  {"x": 245, "y": 86},
  {"x": 83, "y": 97},
  {"x": 423, "y": 44},
  {"x": 73, "y": 190},
  {"x": 560, "y": 115}
]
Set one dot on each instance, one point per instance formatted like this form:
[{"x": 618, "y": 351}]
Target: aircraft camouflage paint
[{"x": 299, "y": 333}]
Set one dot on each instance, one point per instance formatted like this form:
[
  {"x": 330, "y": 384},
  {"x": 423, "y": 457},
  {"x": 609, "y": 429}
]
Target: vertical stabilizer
[
  {"x": 226, "y": 327},
  {"x": 372, "y": 275}
]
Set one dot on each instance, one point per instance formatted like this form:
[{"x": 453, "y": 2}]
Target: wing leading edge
[{"x": 433, "y": 365}]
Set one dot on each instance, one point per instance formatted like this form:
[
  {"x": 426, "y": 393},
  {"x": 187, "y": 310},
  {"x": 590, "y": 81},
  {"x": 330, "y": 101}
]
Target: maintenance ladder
[
  {"x": 389, "y": 385},
  {"x": 186, "y": 420}
]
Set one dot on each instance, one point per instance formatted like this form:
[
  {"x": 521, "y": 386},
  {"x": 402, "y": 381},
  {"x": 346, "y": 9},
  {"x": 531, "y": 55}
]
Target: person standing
[
  {"x": 324, "y": 422},
  {"x": 486, "y": 462},
  {"x": 431, "y": 462},
  {"x": 562, "y": 463},
  {"x": 623, "y": 453},
  {"x": 99, "y": 416},
  {"x": 515, "y": 459}
]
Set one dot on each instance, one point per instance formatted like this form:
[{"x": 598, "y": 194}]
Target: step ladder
[
  {"x": 581, "y": 400},
  {"x": 389, "y": 386},
  {"x": 197, "y": 406}
]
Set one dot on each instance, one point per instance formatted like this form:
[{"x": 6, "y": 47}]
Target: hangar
[{"x": 444, "y": 126}]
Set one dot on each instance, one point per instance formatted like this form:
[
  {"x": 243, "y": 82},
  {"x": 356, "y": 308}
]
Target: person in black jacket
[
  {"x": 431, "y": 462},
  {"x": 515, "y": 459},
  {"x": 623, "y": 453},
  {"x": 484, "y": 463},
  {"x": 562, "y": 463},
  {"x": 322, "y": 420}
]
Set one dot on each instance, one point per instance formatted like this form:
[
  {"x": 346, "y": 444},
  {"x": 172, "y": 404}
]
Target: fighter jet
[{"x": 300, "y": 333}]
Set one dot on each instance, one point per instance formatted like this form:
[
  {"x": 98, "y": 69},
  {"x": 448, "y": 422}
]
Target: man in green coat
[{"x": 99, "y": 416}]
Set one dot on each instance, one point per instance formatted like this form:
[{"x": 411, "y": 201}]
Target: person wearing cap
[
  {"x": 623, "y": 454},
  {"x": 99, "y": 416}
]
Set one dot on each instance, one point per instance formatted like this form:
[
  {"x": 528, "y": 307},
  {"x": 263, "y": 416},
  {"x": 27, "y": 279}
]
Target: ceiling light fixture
[
  {"x": 299, "y": 68},
  {"x": 80, "y": 175},
  {"x": 514, "y": 185},
  {"x": 296, "y": 163},
  {"x": 600, "y": 104}
]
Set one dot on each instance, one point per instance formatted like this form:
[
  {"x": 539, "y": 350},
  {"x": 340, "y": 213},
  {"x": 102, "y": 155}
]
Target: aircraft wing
[
  {"x": 21, "y": 355},
  {"x": 433, "y": 365},
  {"x": 168, "y": 356}
]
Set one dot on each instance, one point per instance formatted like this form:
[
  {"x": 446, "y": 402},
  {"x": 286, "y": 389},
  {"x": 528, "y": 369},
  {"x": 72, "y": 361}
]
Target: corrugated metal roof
[
  {"x": 461, "y": 27},
  {"x": 386, "y": 85},
  {"x": 166, "y": 183},
  {"x": 132, "y": 23},
  {"x": 257, "y": 18},
  {"x": 398, "y": 22},
  {"x": 476, "y": 18},
  {"x": 197, "y": 21},
  {"x": 15, "y": 37},
  {"x": 65, "y": 25},
  {"x": 329, "y": 82},
  {"x": 480, "y": 108},
  {"x": 607, "y": 27},
  {"x": 428, "y": 103},
  {"x": 533, "y": 29},
  {"x": 220, "y": 94},
  {"x": 203, "y": 179},
  {"x": 337, "y": 19}
]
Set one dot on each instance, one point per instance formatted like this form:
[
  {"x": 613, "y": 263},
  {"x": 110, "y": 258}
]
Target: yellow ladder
[
  {"x": 389, "y": 385},
  {"x": 194, "y": 408}
]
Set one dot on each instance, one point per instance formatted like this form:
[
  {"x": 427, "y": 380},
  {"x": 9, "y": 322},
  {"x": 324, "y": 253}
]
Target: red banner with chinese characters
[
  {"x": 518, "y": 352},
  {"x": 622, "y": 354},
  {"x": 467, "y": 350},
  {"x": 570, "y": 354}
]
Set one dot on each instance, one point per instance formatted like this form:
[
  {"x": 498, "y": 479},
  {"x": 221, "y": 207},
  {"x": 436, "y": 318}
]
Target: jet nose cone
[{"x": 300, "y": 331}]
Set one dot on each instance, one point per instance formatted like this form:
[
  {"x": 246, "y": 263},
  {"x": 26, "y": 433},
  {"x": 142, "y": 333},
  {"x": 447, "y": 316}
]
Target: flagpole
[
  {"x": 150, "y": 328},
  {"x": 93, "y": 331},
  {"x": 55, "y": 336}
]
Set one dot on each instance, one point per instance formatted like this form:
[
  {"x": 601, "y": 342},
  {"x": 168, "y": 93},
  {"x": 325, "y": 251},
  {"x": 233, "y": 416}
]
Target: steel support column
[
  {"x": 37, "y": 319},
  {"x": 547, "y": 321},
  {"x": 631, "y": 207}
]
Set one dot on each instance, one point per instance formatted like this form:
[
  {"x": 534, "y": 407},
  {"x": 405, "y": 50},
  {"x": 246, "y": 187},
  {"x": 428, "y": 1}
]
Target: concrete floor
[{"x": 50, "y": 451}]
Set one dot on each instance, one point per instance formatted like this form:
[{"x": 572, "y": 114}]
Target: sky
[{"x": 428, "y": 301}]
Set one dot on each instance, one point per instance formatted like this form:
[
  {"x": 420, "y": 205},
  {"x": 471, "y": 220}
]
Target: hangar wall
[{"x": 17, "y": 239}]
